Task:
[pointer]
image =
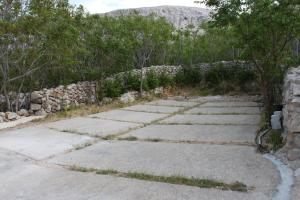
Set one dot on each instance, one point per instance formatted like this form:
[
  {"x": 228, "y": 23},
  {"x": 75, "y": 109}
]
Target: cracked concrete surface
[{"x": 34, "y": 160}]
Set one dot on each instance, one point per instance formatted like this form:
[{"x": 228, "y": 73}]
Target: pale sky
[{"x": 101, "y": 6}]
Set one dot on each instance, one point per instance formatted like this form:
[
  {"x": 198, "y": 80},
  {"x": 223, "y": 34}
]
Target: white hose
[{"x": 287, "y": 178}]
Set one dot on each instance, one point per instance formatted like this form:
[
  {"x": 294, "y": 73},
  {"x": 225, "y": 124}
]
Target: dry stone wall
[
  {"x": 62, "y": 97},
  {"x": 162, "y": 69},
  {"x": 56, "y": 99},
  {"x": 23, "y": 100},
  {"x": 291, "y": 113}
]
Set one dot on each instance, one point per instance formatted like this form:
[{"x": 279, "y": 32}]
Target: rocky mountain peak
[{"x": 179, "y": 16}]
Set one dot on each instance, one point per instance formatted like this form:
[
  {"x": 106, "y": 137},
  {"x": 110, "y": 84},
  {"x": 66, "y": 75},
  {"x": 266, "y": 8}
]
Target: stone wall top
[{"x": 291, "y": 100}]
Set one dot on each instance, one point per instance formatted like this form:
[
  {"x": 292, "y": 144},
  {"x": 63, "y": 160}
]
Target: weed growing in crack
[
  {"x": 153, "y": 140},
  {"x": 178, "y": 180},
  {"x": 130, "y": 138}
]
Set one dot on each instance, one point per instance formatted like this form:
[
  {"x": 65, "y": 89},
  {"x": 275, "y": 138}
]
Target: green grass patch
[
  {"x": 130, "y": 138},
  {"x": 201, "y": 183},
  {"x": 232, "y": 113},
  {"x": 178, "y": 180},
  {"x": 107, "y": 172},
  {"x": 109, "y": 137},
  {"x": 153, "y": 140},
  {"x": 274, "y": 140}
]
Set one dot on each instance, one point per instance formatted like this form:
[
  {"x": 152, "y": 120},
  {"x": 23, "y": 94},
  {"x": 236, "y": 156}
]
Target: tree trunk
[
  {"x": 268, "y": 98},
  {"x": 6, "y": 97},
  {"x": 17, "y": 106},
  {"x": 141, "y": 83}
]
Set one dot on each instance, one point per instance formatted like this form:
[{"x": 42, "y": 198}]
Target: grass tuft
[
  {"x": 178, "y": 180},
  {"x": 153, "y": 140},
  {"x": 274, "y": 140},
  {"x": 109, "y": 137},
  {"x": 130, "y": 138},
  {"x": 107, "y": 172}
]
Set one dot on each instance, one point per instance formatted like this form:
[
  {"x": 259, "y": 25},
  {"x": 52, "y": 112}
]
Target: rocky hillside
[{"x": 180, "y": 16}]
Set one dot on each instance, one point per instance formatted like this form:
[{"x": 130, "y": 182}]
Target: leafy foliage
[
  {"x": 188, "y": 76},
  {"x": 152, "y": 80},
  {"x": 45, "y": 43},
  {"x": 132, "y": 82},
  {"x": 264, "y": 30},
  {"x": 165, "y": 80},
  {"x": 229, "y": 78},
  {"x": 113, "y": 88}
]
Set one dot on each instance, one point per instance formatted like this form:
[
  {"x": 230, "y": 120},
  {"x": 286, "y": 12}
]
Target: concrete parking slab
[
  {"x": 21, "y": 179},
  {"x": 23, "y": 120},
  {"x": 154, "y": 109},
  {"x": 34, "y": 160},
  {"x": 224, "y": 110},
  {"x": 225, "y": 98},
  {"x": 173, "y": 103},
  {"x": 200, "y": 133},
  {"x": 213, "y": 119},
  {"x": 295, "y": 194},
  {"x": 39, "y": 142},
  {"x": 231, "y": 104},
  {"x": 217, "y": 162},
  {"x": 129, "y": 116},
  {"x": 92, "y": 126}
]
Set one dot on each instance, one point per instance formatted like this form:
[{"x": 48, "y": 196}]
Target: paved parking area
[{"x": 205, "y": 138}]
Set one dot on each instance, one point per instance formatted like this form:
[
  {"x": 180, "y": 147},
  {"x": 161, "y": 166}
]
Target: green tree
[
  {"x": 38, "y": 38},
  {"x": 264, "y": 29}
]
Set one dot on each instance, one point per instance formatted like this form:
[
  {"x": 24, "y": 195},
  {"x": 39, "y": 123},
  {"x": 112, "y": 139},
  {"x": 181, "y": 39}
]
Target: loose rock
[
  {"x": 293, "y": 154},
  {"x": 11, "y": 116},
  {"x": 128, "y": 97},
  {"x": 35, "y": 107},
  {"x": 23, "y": 112},
  {"x": 107, "y": 100},
  {"x": 159, "y": 91}
]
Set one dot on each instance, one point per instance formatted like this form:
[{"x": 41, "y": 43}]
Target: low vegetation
[
  {"x": 178, "y": 180},
  {"x": 274, "y": 140},
  {"x": 49, "y": 43},
  {"x": 218, "y": 79},
  {"x": 130, "y": 138},
  {"x": 265, "y": 31}
]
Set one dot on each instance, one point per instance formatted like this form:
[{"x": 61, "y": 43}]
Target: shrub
[
  {"x": 113, "y": 88},
  {"x": 193, "y": 76},
  {"x": 188, "y": 76},
  {"x": 165, "y": 80},
  {"x": 229, "y": 78},
  {"x": 152, "y": 80},
  {"x": 179, "y": 78},
  {"x": 132, "y": 82},
  {"x": 216, "y": 75},
  {"x": 244, "y": 76}
]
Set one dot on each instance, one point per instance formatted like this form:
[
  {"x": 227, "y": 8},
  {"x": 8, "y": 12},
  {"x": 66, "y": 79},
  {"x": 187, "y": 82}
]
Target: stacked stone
[
  {"x": 12, "y": 116},
  {"x": 161, "y": 69},
  {"x": 226, "y": 64},
  {"x": 23, "y": 99},
  {"x": 59, "y": 98},
  {"x": 291, "y": 113}
]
